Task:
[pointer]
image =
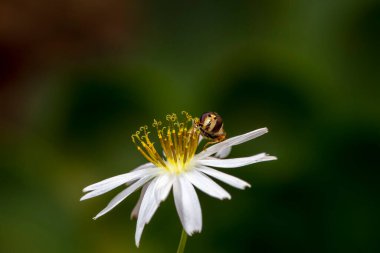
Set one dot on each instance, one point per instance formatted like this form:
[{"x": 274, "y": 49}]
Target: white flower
[{"x": 181, "y": 169}]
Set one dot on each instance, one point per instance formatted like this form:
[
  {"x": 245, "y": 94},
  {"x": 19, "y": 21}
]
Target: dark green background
[{"x": 80, "y": 78}]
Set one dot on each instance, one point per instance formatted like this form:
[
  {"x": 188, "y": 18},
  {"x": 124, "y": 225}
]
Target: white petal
[
  {"x": 114, "y": 182},
  {"x": 223, "y": 153},
  {"x": 122, "y": 195},
  {"x": 157, "y": 191},
  {"x": 148, "y": 206},
  {"x": 236, "y": 162},
  {"x": 123, "y": 177},
  {"x": 205, "y": 184},
  {"x": 187, "y": 204},
  {"x": 164, "y": 184},
  {"x": 228, "y": 179},
  {"x": 136, "y": 209},
  {"x": 102, "y": 190},
  {"x": 231, "y": 142},
  {"x": 144, "y": 166}
]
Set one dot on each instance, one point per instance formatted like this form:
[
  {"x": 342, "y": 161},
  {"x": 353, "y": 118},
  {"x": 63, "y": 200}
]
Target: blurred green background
[{"x": 77, "y": 78}]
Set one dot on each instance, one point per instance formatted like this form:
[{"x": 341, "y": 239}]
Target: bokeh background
[{"x": 78, "y": 77}]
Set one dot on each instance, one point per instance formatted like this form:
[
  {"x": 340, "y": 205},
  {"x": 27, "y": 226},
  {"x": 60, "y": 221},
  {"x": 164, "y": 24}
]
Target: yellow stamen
[{"x": 179, "y": 142}]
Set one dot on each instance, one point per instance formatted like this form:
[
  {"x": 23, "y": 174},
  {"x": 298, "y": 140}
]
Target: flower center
[{"x": 178, "y": 139}]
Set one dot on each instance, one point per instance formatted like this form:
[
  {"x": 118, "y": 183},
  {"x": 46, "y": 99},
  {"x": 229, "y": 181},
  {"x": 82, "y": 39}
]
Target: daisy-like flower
[{"x": 178, "y": 168}]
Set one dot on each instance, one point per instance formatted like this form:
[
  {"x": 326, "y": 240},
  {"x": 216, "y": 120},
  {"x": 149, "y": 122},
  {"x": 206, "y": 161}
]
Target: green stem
[{"x": 182, "y": 242}]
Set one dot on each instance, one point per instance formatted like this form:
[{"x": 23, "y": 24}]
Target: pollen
[{"x": 178, "y": 139}]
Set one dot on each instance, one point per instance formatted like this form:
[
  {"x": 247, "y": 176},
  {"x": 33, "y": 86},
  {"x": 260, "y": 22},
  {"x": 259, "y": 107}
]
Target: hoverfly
[{"x": 210, "y": 125}]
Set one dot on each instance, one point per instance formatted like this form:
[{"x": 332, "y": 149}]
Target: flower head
[{"x": 180, "y": 168}]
